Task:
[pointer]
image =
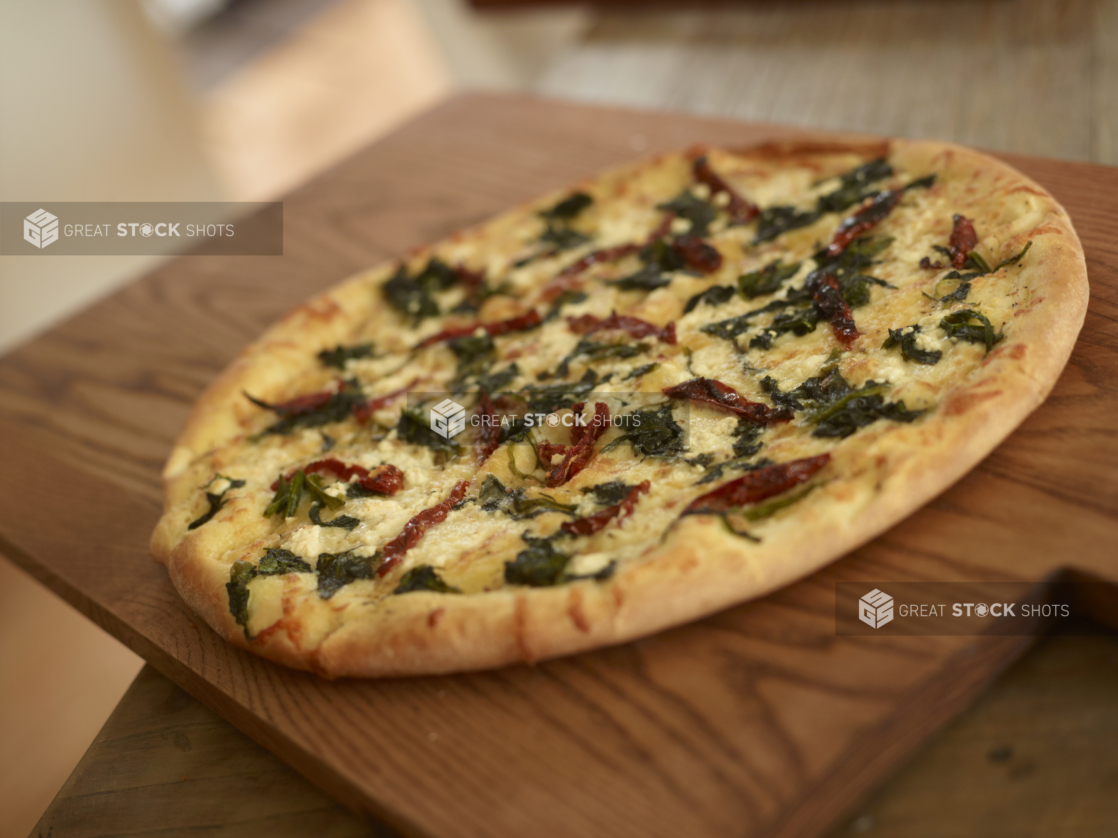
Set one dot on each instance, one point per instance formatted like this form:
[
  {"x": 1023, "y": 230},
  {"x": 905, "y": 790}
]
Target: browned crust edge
[{"x": 700, "y": 569}]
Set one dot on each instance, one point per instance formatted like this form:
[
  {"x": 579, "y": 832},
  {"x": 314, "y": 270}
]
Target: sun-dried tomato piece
[
  {"x": 606, "y": 254},
  {"x": 825, "y": 291},
  {"x": 298, "y": 406},
  {"x": 578, "y": 431},
  {"x": 928, "y": 265},
  {"x": 634, "y": 326},
  {"x": 335, "y": 468},
  {"x": 526, "y": 321},
  {"x": 414, "y": 529},
  {"x": 593, "y": 523},
  {"x": 550, "y": 449},
  {"x": 450, "y": 333},
  {"x": 963, "y": 240},
  {"x": 712, "y": 391},
  {"x": 386, "y": 479},
  {"x": 580, "y": 453},
  {"x": 759, "y": 485},
  {"x": 557, "y": 286},
  {"x": 864, "y": 219},
  {"x": 520, "y": 323},
  {"x": 489, "y": 432},
  {"x": 319, "y": 408},
  {"x": 363, "y": 411},
  {"x": 739, "y": 209},
  {"x": 698, "y": 255},
  {"x": 472, "y": 280}
]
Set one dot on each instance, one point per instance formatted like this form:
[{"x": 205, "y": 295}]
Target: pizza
[{"x": 666, "y": 390}]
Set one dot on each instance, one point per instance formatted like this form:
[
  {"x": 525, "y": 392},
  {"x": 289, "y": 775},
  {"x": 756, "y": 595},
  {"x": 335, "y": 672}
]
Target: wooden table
[{"x": 94, "y": 405}]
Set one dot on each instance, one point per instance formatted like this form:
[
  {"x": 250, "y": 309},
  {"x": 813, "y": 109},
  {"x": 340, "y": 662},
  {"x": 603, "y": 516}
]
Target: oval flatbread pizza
[{"x": 672, "y": 388}]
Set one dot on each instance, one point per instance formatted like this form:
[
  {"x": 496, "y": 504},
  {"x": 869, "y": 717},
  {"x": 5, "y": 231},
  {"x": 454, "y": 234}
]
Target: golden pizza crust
[{"x": 874, "y": 479}]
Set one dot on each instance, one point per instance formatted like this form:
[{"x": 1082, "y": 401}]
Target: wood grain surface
[
  {"x": 165, "y": 765},
  {"x": 757, "y": 721},
  {"x": 1034, "y": 756}
]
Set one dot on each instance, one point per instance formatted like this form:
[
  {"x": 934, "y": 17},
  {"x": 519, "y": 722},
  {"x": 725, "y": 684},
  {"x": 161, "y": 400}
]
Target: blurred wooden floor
[
  {"x": 349, "y": 76},
  {"x": 60, "y": 677},
  {"x": 1020, "y": 75},
  {"x": 1029, "y": 76}
]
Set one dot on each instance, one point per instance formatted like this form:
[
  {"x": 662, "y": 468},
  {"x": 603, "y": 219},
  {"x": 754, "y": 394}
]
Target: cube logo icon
[
  {"x": 40, "y": 228},
  {"x": 448, "y": 418},
  {"x": 875, "y": 609}
]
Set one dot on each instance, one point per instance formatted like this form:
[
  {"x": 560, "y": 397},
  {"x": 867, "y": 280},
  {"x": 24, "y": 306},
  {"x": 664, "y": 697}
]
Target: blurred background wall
[
  {"x": 188, "y": 100},
  {"x": 93, "y": 107}
]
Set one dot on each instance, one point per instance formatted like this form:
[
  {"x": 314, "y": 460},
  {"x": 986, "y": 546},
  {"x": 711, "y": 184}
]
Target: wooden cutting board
[{"x": 756, "y": 721}]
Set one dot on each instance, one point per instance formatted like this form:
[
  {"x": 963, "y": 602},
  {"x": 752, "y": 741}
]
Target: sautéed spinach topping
[{"x": 753, "y": 299}]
